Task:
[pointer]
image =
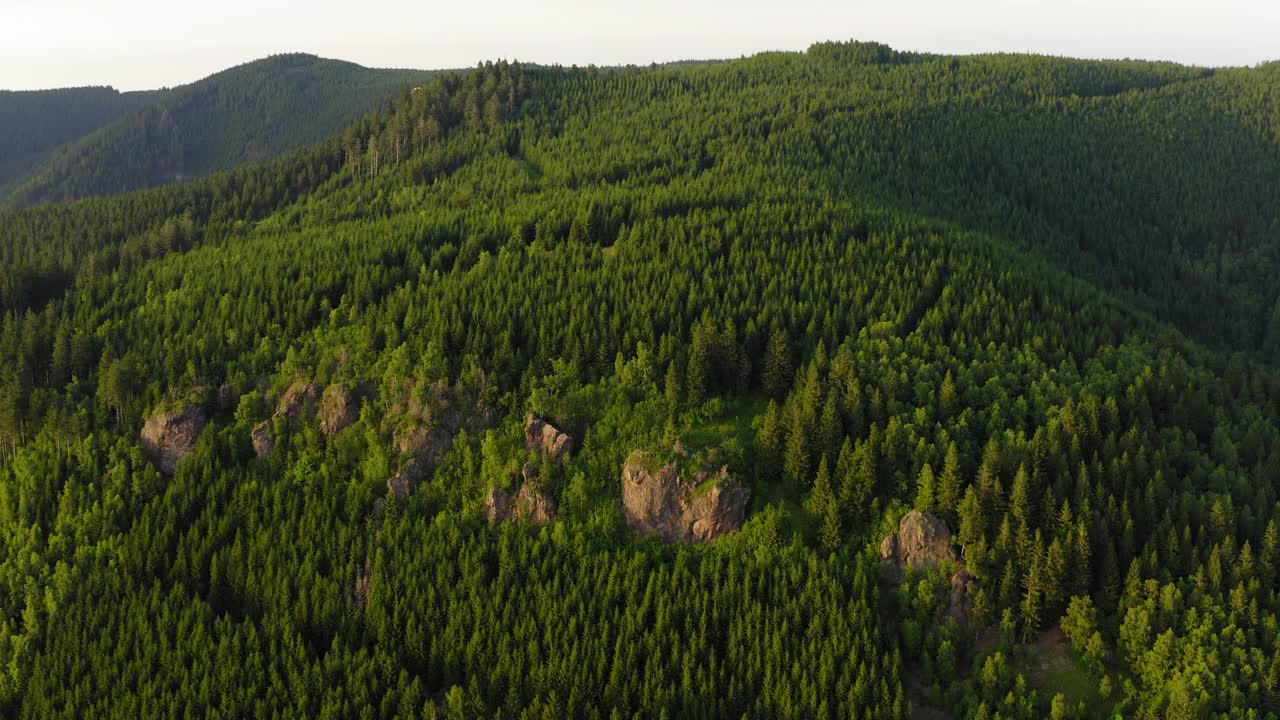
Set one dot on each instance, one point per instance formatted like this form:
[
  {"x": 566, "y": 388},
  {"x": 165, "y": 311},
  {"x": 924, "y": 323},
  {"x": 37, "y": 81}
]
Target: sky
[{"x": 145, "y": 44}]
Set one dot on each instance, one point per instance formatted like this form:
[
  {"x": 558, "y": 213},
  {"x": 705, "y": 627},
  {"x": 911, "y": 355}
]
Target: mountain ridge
[{"x": 247, "y": 113}]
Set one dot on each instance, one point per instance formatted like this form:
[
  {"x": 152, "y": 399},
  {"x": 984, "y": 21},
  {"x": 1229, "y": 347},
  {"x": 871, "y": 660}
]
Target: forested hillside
[
  {"x": 35, "y": 123},
  {"x": 349, "y": 434},
  {"x": 250, "y": 113}
]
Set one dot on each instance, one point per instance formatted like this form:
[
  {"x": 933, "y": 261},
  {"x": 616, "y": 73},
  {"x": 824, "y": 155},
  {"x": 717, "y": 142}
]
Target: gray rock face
[
  {"x": 658, "y": 499},
  {"x": 339, "y": 409},
  {"x": 960, "y": 607},
  {"x": 541, "y": 436},
  {"x": 528, "y": 504},
  {"x": 922, "y": 540},
  {"x": 169, "y": 437},
  {"x": 263, "y": 441},
  {"x": 298, "y": 403},
  {"x": 402, "y": 484},
  {"x": 422, "y": 443}
]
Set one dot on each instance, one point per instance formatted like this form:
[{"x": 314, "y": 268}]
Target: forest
[
  {"x": 64, "y": 145},
  {"x": 1027, "y": 299}
]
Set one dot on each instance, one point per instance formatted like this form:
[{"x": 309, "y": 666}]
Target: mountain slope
[
  {"x": 246, "y": 114},
  {"x": 37, "y": 122},
  {"x": 827, "y": 270}
]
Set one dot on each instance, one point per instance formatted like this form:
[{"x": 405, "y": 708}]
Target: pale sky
[{"x": 142, "y": 44}]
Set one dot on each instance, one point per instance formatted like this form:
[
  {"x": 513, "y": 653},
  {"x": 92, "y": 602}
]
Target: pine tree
[
  {"x": 972, "y": 518},
  {"x": 950, "y": 484},
  {"x": 1033, "y": 599},
  {"x": 777, "y": 363},
  {"x": 796, "y": 461},
  {"x": 925, "y": 489},
  {"x": 671, "y": 387},
  {"x": 829, "y": 431},
  {"x": 822, "y": 495},
  {"x": 948, "y": 400},
  {"x": 831, "y": 533}
]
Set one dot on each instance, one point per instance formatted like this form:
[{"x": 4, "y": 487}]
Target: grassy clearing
[{"x": 1052, "y": 668}]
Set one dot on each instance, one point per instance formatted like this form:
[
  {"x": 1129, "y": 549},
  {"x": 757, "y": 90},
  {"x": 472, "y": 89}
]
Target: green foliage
[
  {"x": 249, "y": 113},
  {"x": 1002, "y": 289}
]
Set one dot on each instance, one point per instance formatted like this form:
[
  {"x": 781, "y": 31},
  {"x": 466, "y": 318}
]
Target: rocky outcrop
[
  {"x": 529, "y": 504},
  {"x": 298, "y": 403},
  {"x": 424, "y": 426},
  {"x": 424, "y": 444},
  {"x": 659, "y": 499},
  {"x": 263, "y": 441},
  {"x": 922, "y": 540},
  {"x": 339, "y": 409},
  {"x": 541, "y": 436},
  {"x": 167, "y": 437},
  {"x": 402, "y": 484},
  {"x": 448, "y": 408}
]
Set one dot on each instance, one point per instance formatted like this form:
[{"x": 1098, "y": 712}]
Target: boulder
[
  {"x": 529, "y": 504},
  {"x": 921, "y": 540},
  {"x": 402, "y": 484},
  {"x": 263, "y": 441},
  {"x": 339, "y": 409},
  {"x": 298, "y": 403},
  {"x": 659, "y": 499},
  {"x": 541, "y": 436},
  {"x": 167, "y": 437}
]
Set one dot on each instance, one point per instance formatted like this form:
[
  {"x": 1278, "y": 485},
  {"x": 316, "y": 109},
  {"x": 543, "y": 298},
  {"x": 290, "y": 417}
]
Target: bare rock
[
  {"x": 298, "y": 403},
  {"x": 541, "y": 436},
  {"x": 922, "y": 540},
  {"x": 263, "y": 441},
  {"x": 659, "y": 499},
  {"x": 423, "y": 443},
  {"x": 529, "y": 504},
  {"x": 529, "y": 472},
  {"x": 534, "y": 505},
  {"x": 449, "y": 408},
  {"x": 499, "y": 504},
  {"x": 402, "y": 484},
  {"x": 169, "y": 437},
  {"x": 339, "y": 409}
]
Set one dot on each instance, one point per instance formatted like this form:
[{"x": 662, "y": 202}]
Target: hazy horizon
[{"x": 145, "y": 44}]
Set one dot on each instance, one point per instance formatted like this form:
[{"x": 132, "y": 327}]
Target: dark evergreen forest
[
  {"x": 61, "y": 145},
  {"x": 1030, "y": 296}
]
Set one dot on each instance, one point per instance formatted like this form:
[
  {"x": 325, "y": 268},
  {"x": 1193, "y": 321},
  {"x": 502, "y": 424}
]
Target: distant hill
[
  {"x": 249, "y": 113},
  {"x": 37, "y": 122}
]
